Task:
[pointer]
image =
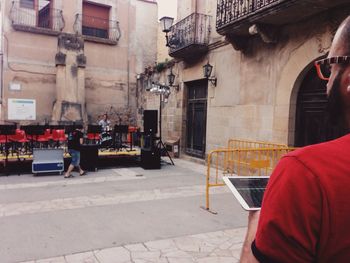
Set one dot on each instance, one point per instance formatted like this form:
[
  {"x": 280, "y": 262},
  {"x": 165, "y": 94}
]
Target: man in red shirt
[{"x": 305, "y": 215}]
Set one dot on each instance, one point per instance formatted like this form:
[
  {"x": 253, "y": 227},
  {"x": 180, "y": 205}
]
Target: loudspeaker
[
  {"x": 150, "y": 121},
  {"x": 150, "y": 159},
  {"x": 89, "y": 157},
  {"x": 121, "y": 128},
  {"x": 147, "y": 143}
]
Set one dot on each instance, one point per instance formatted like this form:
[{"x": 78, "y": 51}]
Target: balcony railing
[
  {"x": 229, "y": 11},
  {"x": 189, "y": 35},
  {"x": 45, "y": 20},
  {"x": 235, "y": 16},
  {"x": 97, "y": 29}
]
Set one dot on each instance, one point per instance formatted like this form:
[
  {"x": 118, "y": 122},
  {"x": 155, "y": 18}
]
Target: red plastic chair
[
  {"x": 93, "y": 137},
  {"x": 45, "y": 138},
  {"x": 2, "y": 138},
  {"x": 19, "y": 140},
  {"x": 19, "y": 137},
  {"x": 48, "y": 134},
  {"x": 58, "y": 136},
  {"x": 131, "y": 130}
]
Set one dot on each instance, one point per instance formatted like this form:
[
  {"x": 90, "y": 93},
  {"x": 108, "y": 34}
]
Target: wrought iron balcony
[
  {"x": 42, "y": 20},
  {"x": 97, "y": 29},
  {"x": 234, "y": 17},
  {"x": 190, "y": 36}
]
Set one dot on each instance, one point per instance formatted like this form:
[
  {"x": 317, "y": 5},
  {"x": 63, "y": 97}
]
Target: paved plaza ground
[{"x": 119, "y": 214}]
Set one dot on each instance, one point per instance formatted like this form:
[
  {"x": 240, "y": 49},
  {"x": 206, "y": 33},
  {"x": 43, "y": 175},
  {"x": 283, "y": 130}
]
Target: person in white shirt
[{"x": 104, "y": 123}]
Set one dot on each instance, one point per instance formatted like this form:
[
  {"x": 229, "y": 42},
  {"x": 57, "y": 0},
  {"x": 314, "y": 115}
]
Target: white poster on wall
[{"x": 21, "y": 109}]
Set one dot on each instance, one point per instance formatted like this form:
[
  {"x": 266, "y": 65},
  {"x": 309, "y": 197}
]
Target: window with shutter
[
  {"x": 95, "y": 20},
  {"x": 27, "y": 4}
]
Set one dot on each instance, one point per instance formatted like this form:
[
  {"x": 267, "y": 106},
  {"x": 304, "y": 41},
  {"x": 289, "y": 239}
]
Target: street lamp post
[
  {"x": 160, "y": 116},
  {"x": 163, "y": 92}
]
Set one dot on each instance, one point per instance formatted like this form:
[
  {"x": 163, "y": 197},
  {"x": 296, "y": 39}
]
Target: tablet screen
[{"x": 251, "y": 189}]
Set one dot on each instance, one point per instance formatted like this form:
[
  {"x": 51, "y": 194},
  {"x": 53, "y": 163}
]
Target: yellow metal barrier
[
  {"x": 243, "y": 162},
  {"x": 247, "y": 144}
]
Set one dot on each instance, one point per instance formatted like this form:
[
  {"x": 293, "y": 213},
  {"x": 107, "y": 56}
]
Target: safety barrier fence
[
  {"x": 242, "y": 162},
  {"x": 247, "y": 144}
]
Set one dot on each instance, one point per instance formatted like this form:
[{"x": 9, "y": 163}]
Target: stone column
[{"x": 70, "y": 80}]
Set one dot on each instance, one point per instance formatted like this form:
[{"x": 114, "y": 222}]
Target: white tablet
[{"x": 248, "y": 190}]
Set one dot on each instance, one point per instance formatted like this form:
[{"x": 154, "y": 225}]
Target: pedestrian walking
[{"x": 75, "y": 139}]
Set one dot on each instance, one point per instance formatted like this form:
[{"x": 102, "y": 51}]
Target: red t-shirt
[{"x": 305, "y": 215}]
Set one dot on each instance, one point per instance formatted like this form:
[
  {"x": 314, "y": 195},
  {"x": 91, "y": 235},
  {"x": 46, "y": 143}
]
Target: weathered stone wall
[
  {"x": 256, "y": 92},
  {"x": 29, "y": 60},
  {"x": 162, "y": 49},
  {"x": 185, "y": 8},
  {"x": 2, "y": 8},
  {"x": 110, "y": 73},
  {"x": 145, "y": 46}
]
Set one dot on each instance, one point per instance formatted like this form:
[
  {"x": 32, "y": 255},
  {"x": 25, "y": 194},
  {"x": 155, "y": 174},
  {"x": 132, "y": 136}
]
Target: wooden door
[
  {"x": 312, "y": 124},
  {"x": 196, "y": 118}
]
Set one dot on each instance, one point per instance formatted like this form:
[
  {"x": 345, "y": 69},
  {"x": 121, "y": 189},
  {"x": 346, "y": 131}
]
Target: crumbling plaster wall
[
  {"x": 110, "y": 74},
  {"x": 109, "y": 68},
  {"x": 29, "y": 60}
]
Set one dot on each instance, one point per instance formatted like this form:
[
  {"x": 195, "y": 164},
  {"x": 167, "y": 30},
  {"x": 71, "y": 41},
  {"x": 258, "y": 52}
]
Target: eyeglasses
[{"x": 323, "y": 65}]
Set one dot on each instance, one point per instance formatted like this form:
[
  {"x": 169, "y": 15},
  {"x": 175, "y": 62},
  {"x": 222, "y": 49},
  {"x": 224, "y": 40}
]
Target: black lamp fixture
[
  {"x": 166, "y": 23},
  {"x": 207, "y": 69},
  {"x": 171, "y": 79}
]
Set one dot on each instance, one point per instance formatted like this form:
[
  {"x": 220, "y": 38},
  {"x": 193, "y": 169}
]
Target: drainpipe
[
  {"x": 128, "y": 59},
  {"x": 1, "y": 78},
  {"x": 2, "y": 56},
  {"x": 195, "y": 19}
]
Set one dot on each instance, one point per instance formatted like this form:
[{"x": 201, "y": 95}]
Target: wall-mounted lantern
[
  {"x": 171, "y": 80},
  {"x": 207, "y": 69},
  {"x": 166, "y": 23}
]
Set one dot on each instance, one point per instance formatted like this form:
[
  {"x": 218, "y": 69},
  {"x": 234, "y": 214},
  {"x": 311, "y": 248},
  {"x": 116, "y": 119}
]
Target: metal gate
[{"x": 196, "y": 118}]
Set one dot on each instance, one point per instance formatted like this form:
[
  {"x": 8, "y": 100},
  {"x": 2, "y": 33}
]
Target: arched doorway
[{"x": 311, "y": 122}]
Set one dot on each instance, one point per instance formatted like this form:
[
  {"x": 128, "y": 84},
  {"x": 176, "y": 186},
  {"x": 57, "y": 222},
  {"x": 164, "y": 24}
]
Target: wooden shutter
[
  {"x": 95, "y": 16},
  {"x": 27, "y": 4}
]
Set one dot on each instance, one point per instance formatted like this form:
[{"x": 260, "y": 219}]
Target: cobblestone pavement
[
  {"x": 101, "y": 200},
  {"x": 124, "y": 214},
  {"x": 214, "y": 247}
]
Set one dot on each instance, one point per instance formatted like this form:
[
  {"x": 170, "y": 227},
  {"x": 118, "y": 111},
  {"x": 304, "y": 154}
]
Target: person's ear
[{"x": 348, "y": 83}]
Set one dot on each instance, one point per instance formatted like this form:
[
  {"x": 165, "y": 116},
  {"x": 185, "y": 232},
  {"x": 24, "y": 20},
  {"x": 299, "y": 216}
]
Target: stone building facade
[
  {"x": 262, "y": 53},
  {"x": 2, "y": 7},
  {"x": 75, "y": 59}
]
